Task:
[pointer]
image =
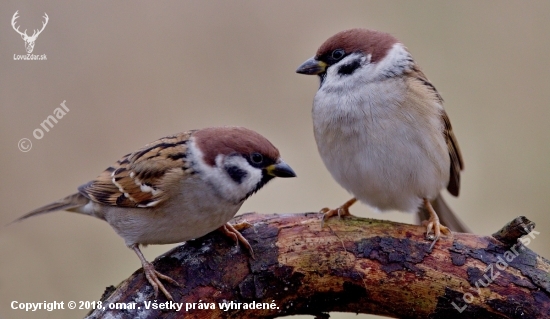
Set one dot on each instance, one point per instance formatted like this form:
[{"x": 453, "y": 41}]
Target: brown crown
[
  {"x": 367, "y": 41},
  {"x": 227, "y": 140}
]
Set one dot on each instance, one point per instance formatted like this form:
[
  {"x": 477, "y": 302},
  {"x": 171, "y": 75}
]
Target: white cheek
[
  {"x": 397, "y": 61},
  {"x": 231, "y": 188},
  {"x": 337, "y": 82},
  {"x": 221, "y": 182}
]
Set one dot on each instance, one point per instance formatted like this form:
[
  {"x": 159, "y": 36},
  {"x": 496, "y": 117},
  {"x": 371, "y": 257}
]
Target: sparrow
[
  {"x": 381, "y": 129},
  {"x": 178, "y": 188}
]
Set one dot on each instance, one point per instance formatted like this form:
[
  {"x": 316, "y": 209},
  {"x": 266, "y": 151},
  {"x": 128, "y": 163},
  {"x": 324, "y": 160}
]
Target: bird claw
[
  {"x": 233, "y": 231},
  {"x": 242, "y": 226},
  {"x": 340, "y": 211},
  {"x": 154, "y": 277},
  {"x": 433, "y": 225}
]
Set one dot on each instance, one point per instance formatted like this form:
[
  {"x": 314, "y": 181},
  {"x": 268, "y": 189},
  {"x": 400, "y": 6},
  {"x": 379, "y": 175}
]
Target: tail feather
[
  {"x": 446, "y": 215},
  {"x": 68, "y": 203}
]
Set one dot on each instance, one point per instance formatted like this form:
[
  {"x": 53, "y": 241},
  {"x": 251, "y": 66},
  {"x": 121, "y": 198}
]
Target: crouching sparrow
[
  {"x": 381, "y": 129},
  {"x": 178, "y": 188}
]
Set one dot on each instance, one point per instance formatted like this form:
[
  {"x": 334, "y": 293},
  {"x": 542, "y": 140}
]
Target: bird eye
[
  {"x": 338, "y": 54},
  {"x": 256, "y": 158}
]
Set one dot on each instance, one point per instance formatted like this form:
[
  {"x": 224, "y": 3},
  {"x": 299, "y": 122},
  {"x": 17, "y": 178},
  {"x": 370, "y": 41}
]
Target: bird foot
[
  {"x": 154, "y": 278},
  {"x": 433, "y": 224},
  {"x": 340, "y": 211},
  {"x": 233, "y": 232}
]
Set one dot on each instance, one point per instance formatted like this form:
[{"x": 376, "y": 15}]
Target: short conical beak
[
  {"x": 312, "y": 67},
  {"x": 280, "y": 169}
]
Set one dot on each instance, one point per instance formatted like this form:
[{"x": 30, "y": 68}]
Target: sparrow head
[
  {"x": 376, "y": 54},
  {"x": 236, "y": 161}
]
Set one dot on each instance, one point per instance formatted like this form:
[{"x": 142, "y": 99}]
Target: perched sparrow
[
  {"x": 178, "y": 188},
  {"x": 381, "y": 128}
]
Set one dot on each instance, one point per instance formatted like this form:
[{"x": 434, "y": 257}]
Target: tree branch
[{"x": 352, "y": 265}]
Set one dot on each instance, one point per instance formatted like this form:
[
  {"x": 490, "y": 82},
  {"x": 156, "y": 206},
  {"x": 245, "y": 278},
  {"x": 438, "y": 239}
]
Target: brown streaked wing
[
  {"x": 142, "y": 178},
  {"x": 419, "y": 75},
  {"x": 457, "y": 163}
]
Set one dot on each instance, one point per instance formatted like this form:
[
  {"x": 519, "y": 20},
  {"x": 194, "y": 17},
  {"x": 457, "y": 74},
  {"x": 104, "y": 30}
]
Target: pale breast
[
  {"x": 382, "y": 144},
  {"x": 192, "y": 213}
]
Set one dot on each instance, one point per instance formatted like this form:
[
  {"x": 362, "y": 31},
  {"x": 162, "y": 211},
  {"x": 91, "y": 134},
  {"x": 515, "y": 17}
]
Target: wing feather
[
  {"x": 457, "y": 164},
  {"x": 142, "y": 178}
]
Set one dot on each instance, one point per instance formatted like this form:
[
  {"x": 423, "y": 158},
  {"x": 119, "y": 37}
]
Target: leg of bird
[
  {"x": 241, "y": 226},
  {"x": 340, "y": 211},
  {"x": 154, "y": 276},
  {"x": 233, "y": 231},
  {"x": 433, "y": 223}
]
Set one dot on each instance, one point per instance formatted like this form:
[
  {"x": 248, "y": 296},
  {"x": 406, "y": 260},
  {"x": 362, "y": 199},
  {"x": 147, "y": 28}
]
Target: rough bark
[{"x": 350, "y": 265}]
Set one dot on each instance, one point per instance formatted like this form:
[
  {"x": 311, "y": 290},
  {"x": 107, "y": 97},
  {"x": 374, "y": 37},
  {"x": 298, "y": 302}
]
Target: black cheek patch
[
  {"x": 349, "y": 68},
  {"x": 236, "y": 173}
]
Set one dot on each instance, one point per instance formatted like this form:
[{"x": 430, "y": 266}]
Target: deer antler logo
[{"x": 29, "y": 41}]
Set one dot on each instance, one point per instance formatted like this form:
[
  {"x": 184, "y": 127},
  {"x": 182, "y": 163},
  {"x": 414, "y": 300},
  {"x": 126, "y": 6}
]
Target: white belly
[
  {"x": 378, "y": 150},
  {"x": 183, "y": 219}
]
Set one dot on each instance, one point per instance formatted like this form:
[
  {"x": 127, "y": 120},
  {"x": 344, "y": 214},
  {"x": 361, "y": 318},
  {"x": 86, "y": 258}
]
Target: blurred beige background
[{"x": 132, "y": 72}]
